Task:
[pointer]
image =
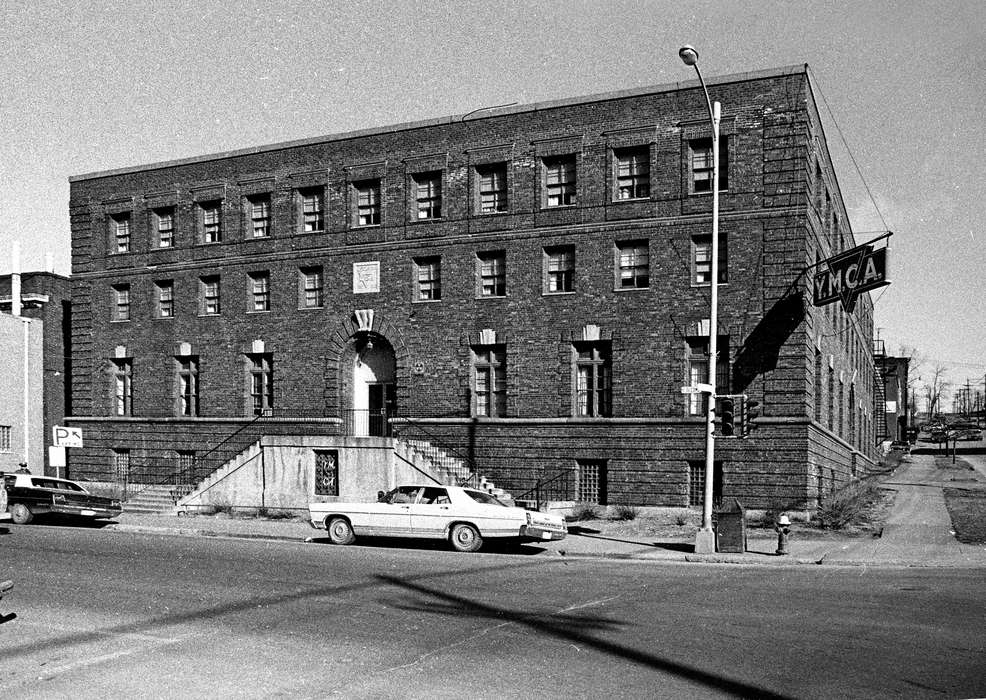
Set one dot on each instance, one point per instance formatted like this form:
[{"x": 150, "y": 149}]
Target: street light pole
[{"x": 705, "y": 538}]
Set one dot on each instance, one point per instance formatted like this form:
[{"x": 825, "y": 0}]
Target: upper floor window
[
  {"x": 312, "y": 287},
  {"x": 489, "y": 381},
  {"x": 188, "y": 385},
  {"x": 559, "y": 181},
  {"x": 702, "y": 260},
  {"x": 632, "y": 173},
  {"x": 123, "y": 386},
  {"x": 428, "y": 195},
  {"x": 121, "y": 302},
  {"x": 211, "y": 221},
  {"x": 120, "y": 224},
  {"x": 593, "y": 379},
  {"x": 312, "y": 209},
  {"x": 209, "y": 296},
  {"x": 165, "y": 298},
  {"x": 698, "y": 371},
  {"x": 258, "y": 207},
  {"x": 259, "y": 291},
  {"x": 164, "y": 226},
  {"x": 492, "y": 274},
  {"x": 428, "y": 278},
  {"x": 492, "y": 188},
  {"x": 261, "y": 383},
  {"x": 5, "y": 438},
  {"x": 632, "y": 265},
  {"x": 367, "y": 202},
  {"x": 559, "y": 269},
  {"x": 700, "y": 151}
]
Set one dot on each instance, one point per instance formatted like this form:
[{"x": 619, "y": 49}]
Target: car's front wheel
[
  {"x": 21, "y": 514},
  {"x": 466, "y": 538},
  {"x": 340, "y": 531}
]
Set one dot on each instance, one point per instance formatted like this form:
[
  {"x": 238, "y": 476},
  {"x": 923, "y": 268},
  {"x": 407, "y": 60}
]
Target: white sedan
[{"x": 463, "y": 516}]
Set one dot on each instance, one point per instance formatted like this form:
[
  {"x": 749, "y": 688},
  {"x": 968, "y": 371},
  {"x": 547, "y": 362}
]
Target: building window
[
  {"x": 492, "y": 188},
  {"x": 367, "y": 202},
  {"x": 428, "y": 195},
  {"x": 590, "y": 481},
  {"x": 312, "y": 287},
  {"x": 209, "y": 301},
  {"x": 632, "y": 173},
  {"x": 312, "y": 209},
  {"x": 559, "y": 269},
  {"x": 123, "y": 387},
  {"x": 428, "y": 278},
  {"x": 696, "y": 483},
  {"x": 489, "y": 381},
  {"x": 165, "y": 298},
  {"x": 492, "y": 274},
  {"x": 326, "y": 473},
  {"x": 164, "y": 224},
  {"x": 261, "y": 383},
  {"x": 258, "y": 208},
  {"x": 121, "y": 302},
  {"x": 5, "y": 438},
  {"x": 188, "y": 385},
  {"x": 121, "y": 465},
  {"x": 259, "y": 291},
  {"x": 186, "y": 463},
  {"x": 120, "y": 223},
  {"x": 633, "y": 265},
  {"x": 831, "y": 398},
  {"x": 593, "y": 379},
  {"x": 698, "y": 371},
  {"x": 559, "y": 181},
  {"x": 702, "y": 260},
  {"x": 210, "y": 214},
  {"x": 700, "y": 151}
]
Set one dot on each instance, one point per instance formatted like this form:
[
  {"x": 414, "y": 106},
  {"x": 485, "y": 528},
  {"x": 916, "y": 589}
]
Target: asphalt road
[{"x": 97, "y": 613}]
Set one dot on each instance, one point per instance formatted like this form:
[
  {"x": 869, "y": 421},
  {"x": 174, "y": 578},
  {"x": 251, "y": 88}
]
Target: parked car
[
  {"x": 29, "y": 495},
  {"x": 463, "y": 516}
]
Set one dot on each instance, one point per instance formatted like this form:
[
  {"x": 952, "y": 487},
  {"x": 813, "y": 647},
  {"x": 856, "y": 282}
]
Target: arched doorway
[{"x": 374, "y": 390}]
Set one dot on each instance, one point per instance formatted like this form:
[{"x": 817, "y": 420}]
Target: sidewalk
[{"x": 917, "y": 533}]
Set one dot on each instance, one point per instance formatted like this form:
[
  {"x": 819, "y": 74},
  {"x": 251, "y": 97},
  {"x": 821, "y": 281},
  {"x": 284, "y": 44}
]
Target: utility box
[{"x": 731, "y": 528}]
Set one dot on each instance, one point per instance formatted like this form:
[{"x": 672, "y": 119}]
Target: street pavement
[{"x": 917, "y": 533}]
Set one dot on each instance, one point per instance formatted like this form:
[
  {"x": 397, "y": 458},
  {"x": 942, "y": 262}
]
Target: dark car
[{"x": 29, "y": 495}]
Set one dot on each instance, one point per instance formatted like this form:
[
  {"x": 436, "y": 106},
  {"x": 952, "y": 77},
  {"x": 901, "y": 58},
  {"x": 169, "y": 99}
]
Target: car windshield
[
  {"x": 484, "y": 498},
  {"x": 55, "y": 484}
]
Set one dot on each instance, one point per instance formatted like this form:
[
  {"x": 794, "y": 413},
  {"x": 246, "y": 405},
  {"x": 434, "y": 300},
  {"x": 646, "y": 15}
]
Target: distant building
[
  {"x": 523, "y": 289},
  {"x": 891, "y": 395},
  {"x": 46, "y": 305}
]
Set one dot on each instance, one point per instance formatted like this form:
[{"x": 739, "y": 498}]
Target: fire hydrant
[{"x": 783, "y": 528}]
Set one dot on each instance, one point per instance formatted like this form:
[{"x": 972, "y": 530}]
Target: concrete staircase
[
  {"x": 445, "y": 467},
  {"x": 155, "y": 498}
]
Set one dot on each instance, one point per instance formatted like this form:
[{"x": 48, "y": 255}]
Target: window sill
[
  {"x": 163, "y": 318},
  {"x": 264, "y": 311},
  {"x": 311, "y": 308},
  {"x": 630, "y": 289},
  {"x": 362, "y": 227},
  {"x": 492, "y": 213},
  {"x": 426, "y": 301},
  {"x": 209, "y": 315},
  {"x": 484, "y": 297},
  {"x": 119, "y": 320},
  {"x": 630, "y": 200},
  {"x": 546, "y": 207},
  {"x": 558, "y": 294},
  {"x": 703, "y": 285}
]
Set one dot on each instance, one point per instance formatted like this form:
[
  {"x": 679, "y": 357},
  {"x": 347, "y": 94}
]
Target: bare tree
[
  {"x": 936, "y": 389},
  {"x": 915, "y": 365}
]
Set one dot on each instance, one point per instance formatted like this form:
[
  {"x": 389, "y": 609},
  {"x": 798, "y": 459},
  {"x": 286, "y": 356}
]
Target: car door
[
  {"x": 433, "y": 512},
  {"x": 390, "y": 516}
]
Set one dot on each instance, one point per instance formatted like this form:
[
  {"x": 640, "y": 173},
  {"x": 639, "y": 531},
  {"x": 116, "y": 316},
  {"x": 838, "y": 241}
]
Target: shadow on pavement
[{"x": 489, "y": 546}]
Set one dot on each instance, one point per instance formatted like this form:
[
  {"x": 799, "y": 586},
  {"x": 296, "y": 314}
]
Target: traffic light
[
  {"x": 726, "y": 415},
  {"x": 751, "y": 410}
]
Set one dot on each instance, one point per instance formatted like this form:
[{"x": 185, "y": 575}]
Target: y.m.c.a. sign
[{"x": 847, "y": 275}]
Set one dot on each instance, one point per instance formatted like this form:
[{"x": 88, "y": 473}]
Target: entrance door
[{"x": 381, "y": 406}]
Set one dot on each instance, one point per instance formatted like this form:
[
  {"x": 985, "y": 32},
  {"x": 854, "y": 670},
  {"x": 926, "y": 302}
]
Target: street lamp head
[{"x": 689, "y": 56}]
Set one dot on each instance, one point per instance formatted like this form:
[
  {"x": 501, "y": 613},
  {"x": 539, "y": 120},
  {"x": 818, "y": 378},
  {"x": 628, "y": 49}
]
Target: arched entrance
[{"x": 374, "y": 390}]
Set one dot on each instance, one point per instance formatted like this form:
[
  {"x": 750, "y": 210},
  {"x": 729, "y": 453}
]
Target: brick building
[{"x": 525, "y": 288}]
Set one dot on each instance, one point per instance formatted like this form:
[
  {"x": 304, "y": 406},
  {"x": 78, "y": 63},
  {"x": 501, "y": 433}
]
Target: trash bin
[{"x": 731, "y": 528}]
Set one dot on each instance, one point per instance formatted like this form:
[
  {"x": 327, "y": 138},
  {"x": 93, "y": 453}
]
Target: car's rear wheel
[
  {"x": 21, "y": 514},
  {"x": 340, "y": 531},
  {"x": 466, "y": 538}
]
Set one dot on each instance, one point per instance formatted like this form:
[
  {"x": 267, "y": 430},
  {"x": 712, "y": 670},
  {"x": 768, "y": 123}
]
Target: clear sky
[{"x": 90, "y": 86}]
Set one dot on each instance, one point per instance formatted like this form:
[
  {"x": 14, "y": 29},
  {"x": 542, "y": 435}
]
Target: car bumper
[
  {"x": 541, "y": 534},
  {"x": 87, "y": 512}
]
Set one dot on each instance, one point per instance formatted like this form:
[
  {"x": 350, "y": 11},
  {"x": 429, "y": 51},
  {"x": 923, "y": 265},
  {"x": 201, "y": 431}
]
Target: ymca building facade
[{"x": 524, "y": 290}]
